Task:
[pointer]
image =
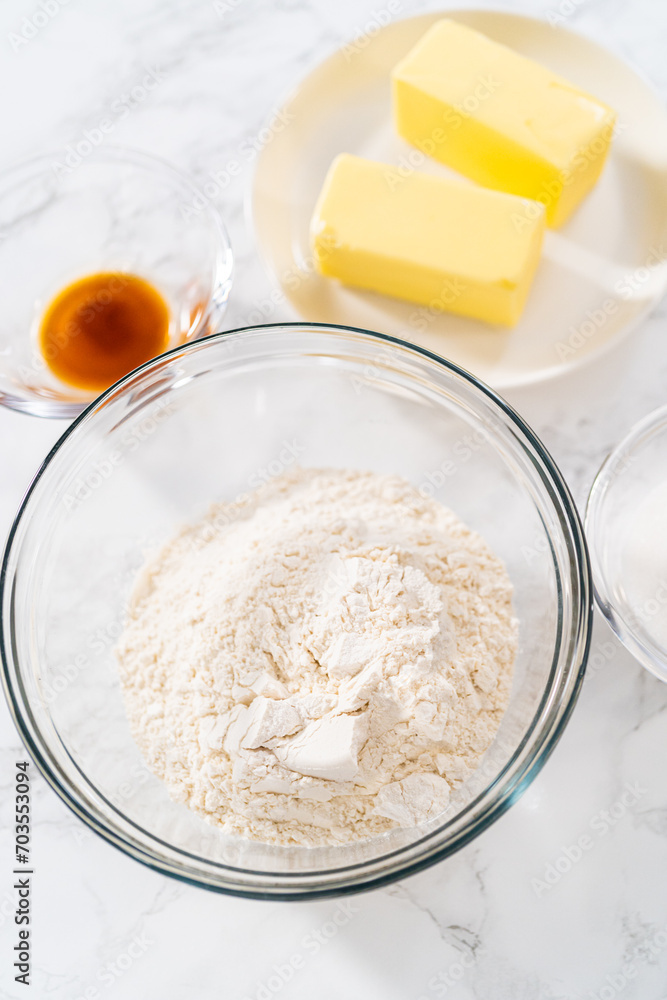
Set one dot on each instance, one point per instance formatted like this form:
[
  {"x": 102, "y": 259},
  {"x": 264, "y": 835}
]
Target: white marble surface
[{"x": 476, "y": 925}]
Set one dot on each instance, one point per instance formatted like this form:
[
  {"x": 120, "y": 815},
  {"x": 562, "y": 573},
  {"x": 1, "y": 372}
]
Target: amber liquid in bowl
[{"x": 101, "y": 327}]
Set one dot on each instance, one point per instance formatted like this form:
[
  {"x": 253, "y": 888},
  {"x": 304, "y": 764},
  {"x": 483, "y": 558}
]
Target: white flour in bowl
[{"x": 321, "y": 662}]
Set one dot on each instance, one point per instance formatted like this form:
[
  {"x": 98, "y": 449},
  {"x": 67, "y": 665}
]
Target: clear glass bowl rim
[
  {"x": 646, "y": 652},
  {"x": 296, "y": 886},
  {"x": 221, "y": 266}
]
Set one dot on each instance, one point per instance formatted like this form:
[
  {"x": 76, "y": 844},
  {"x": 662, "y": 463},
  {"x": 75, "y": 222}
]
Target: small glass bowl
[
  {"x": 210, "y": 421},
  {"x": 634, "y": 606},
  {"x": 85, "y": 210}
]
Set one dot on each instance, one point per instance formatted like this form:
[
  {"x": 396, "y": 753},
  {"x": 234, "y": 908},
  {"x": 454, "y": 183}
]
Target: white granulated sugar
[{"x": 320, "y": 663}]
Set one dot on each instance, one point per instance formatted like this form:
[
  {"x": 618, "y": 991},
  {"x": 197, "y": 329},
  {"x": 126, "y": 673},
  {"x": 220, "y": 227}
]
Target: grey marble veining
[{"x": 486, "y": 924}]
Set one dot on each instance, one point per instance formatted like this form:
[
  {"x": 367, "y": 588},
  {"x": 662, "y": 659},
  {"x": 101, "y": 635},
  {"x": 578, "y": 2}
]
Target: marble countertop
[{"x": 488, "y": 923}]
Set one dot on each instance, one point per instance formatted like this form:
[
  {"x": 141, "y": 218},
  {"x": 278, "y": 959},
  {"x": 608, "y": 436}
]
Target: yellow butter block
[
  {"x": 441, "y": 243},
  {"x": 501, "y": 119}
]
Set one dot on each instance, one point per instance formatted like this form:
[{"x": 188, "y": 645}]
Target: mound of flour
[{"x": 321, "y": 662}]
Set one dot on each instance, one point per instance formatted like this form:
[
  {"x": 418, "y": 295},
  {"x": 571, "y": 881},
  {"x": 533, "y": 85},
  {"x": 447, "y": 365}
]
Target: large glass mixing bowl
[{"x": 206, "y": 422}]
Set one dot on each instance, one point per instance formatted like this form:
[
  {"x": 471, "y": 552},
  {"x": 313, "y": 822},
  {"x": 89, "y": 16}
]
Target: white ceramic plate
[{"x": 600, "y": 273}]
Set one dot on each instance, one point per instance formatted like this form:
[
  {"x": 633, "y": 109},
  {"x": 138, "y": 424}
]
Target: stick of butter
[
  {"x": 442, "y": 243},
  {"x": 501, "y": 119}
]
